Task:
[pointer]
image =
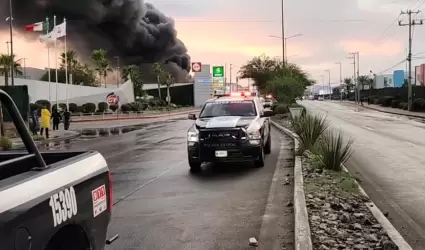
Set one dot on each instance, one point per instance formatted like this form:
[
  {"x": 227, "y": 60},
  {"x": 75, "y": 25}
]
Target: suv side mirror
[
  {"x": 268, "y": 113},
  {"x": 191, "y": 116}
]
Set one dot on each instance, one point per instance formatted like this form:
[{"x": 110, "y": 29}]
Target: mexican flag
[{"x": 38, "y": 27}]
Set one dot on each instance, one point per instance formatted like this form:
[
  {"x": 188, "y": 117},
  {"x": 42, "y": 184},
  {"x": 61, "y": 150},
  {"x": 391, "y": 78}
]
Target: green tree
[
  {"x": 5, "y": 67},
  {"x": 285, "y": 89},
  {"x": 102, "y": 63},
  {"x": 132, "y": 72},
  {"x": 157, "y": 71},
  {"x": 348, "y": 85},
  {"x": 70, "y": 60},
  {"x": 167, "y": 79}
]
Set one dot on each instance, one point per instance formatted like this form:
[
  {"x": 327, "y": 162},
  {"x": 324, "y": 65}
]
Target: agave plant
[
  {"x": 332, "y": 151},
  {"x": 309, "y": 128}
]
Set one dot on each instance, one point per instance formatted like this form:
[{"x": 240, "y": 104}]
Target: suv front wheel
[{"x": 259, "y": 163}]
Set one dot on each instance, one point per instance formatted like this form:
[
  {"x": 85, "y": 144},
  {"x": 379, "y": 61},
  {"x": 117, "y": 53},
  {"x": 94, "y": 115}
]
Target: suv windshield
[{"x": 228, "y": 108}]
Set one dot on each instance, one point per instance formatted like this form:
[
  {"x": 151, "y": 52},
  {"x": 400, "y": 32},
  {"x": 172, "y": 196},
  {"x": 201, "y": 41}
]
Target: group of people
[{"x": 56, "y": 117}]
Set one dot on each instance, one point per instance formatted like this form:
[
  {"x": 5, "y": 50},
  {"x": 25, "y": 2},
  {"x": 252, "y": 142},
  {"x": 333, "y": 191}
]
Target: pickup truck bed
[{"x": 52, "y": 200}]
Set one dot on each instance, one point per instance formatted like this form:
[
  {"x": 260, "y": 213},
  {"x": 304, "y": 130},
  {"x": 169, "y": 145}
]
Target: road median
[{"x": 331, "y": 208}]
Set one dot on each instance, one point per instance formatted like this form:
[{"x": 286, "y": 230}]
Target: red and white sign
[
  {"x": 112, "y": 99},
  {"x": 196, "y": 67},
  {"x": 99, "y": 200}
]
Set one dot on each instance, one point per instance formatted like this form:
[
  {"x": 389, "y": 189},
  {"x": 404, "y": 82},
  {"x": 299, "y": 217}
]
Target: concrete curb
[
  {"x": 302, "y": 226},
  {"x": 392, "y": 232},
  {"x": 136, "y": 118},
  {"x": 377, "y": 213}
]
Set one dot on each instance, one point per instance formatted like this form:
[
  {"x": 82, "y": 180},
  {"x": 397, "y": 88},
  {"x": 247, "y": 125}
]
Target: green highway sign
[{"x": 218, "y": 71}]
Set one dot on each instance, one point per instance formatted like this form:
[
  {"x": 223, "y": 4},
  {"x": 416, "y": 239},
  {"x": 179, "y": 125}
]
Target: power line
[{"x": 392, "y": 67}]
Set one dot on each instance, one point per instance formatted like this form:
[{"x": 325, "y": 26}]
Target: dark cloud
[{"x": 132, "y": 29}]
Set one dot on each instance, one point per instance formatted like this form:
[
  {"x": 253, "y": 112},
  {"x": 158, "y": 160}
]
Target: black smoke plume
[{"x": 133, "y": 30}]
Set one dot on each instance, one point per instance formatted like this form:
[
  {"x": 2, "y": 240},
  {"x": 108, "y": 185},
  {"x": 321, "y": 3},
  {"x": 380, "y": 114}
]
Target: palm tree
[
  {"x": 363, "y": 81},
  {"x": 348, "y": 84},
  {"x": 69, "y": 59},
  {"x": 132, "y": 72},
  {"x": 103, "y": 65},
  {"x": 168, "y": 81},
  {"x": 157, "y": 70},
  {"x": 5, "y": 68}
]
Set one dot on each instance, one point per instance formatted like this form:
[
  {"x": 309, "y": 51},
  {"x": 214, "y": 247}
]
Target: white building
[
  {"x": 61, "y": 93},
  {"x": 384, "y": 81}
]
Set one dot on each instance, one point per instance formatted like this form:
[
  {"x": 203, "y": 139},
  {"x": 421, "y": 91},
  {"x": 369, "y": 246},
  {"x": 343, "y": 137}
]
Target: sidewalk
[
  {"x": 388, "y": 110},
  {"x": 57, "y": 135}
]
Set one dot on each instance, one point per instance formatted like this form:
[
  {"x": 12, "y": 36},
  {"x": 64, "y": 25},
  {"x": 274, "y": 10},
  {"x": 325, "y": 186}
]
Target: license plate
[{"x": 220, "y": 153}]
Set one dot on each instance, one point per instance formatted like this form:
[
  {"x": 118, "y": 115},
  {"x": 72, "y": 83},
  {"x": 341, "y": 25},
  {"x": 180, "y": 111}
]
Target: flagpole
[
  {"x": 66, "y": 67},
  {"x": 56, "y": 64},
  {"x": 48, "y": 61}
]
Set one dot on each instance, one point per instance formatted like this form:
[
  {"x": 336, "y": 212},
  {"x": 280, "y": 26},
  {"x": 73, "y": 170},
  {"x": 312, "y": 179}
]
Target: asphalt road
[
  {"x": 159, "y": 204},
  {"x": 388, "y": 159}
]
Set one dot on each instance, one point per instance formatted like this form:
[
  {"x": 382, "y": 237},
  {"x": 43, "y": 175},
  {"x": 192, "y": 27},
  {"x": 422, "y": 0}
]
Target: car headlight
[
  {"x": 193, "y": 136},
  {"x": 254, "y": 135}
]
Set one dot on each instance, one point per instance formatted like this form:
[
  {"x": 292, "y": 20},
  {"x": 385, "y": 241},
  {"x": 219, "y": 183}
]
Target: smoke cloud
[{"x": 134, "y": 30}]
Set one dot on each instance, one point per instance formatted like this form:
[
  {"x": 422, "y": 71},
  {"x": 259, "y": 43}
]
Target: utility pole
[
  {"x": 358, "y": 75},
  {"x": 353, "y": 56},
  {"x": 412, "y": 22},
  {"x": 323, "y": 85},
  {"x": 340, "y": 79},
  {"x": 329, "y": 83},
  {"x": 230, "y": 75},
  {"x": 283, "y": 32},
  {"x": 12, "y": 63}
]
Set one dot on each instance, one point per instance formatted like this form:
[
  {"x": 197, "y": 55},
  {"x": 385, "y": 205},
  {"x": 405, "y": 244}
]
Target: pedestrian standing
[
  {"x": 56, "y": 117},
  {"x": 66, "y": 119},
  {"x": 35, "y": 122},
  {"x": 45, "y": 121}
]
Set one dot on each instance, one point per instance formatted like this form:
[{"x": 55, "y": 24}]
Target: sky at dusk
[{"x": 218, "y": 32}]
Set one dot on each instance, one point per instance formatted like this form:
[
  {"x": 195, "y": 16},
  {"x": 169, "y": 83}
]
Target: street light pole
[
  {"x": 24, "y": 73},
  {"x": 340, "y": 79},
  {"x": 283, "y": 31},
  {"x": 330, "y": 89},
  {"x": 12, "y": 63},
  {"x": 285, "y": 42},
  {"x": 230, "y": 75},
  {"x": 118, "y": 71},
  {"x": 323, "y": 85}
]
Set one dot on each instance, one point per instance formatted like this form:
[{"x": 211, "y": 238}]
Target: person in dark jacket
[
  {"x": 56, "y": 117},
  {"x": 66, "y": 119},
  {"x": 35, "y": 122}
]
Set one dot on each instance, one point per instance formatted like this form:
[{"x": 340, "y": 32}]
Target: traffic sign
[
  {"x": 112, "y": 99},
  {"x": 218, "y": 71},
  {"x": 196, "y": 67}
]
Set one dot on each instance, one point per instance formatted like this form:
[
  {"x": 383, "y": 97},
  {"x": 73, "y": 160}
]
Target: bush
[
  {"x": 400, "y": 105},
  {"x": 89, "y": 132},
  {"x": 89, "y": 107},
  {"x": 113, "y": 107},
  {"x": 80, "y": 109},
  {"x": 376, "y": 101},
  {"x": 274, "y": 105},
  {"x": 309, "y": 128},
  {"x": 102, "y": 106},
  {"x": 125, "y": 107},
  {"x": 73, "y": 107},
  {"x": 281, "y": 109},
  {"x": 395, "y": 103},
  {"x": 45, "y": 103},
  {"x": 62, "y": 106},
  {"x": 5, "y": 143},
  {"x": 135, "y": 107},
  {"x": 385, "y": 101},
  {"x": 405, "y": 106},
  {"x": 418, "y": 104},
  {"x": 332, "y": 152}
]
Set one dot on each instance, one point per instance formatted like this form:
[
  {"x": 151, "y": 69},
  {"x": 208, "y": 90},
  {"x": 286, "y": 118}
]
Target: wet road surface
[
  {"x": 159, "y": 204},
  {"x": 388, "y": 158}
]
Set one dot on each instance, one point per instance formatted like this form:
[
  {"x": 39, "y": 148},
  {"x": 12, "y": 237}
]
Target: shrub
[
  {"x": 125, "y": 107},
  {"x": 113, "y": 107},
  {"x": 332, "y": 151},
  {"x": 385, "y": 101},
  {"x": 5, "y": 143},
  {"x": 89, "y": 107},
  {"x": 401, "y": 105},
  {"x": 281, "y": 109},
  {"x": 80, "y": 109},
  {"x": 309, "y": 128},
  {"x": 418, "y": 104},
  {"x": 102, "y": 106},
  {"x": 135, "y": 107},
  {"x": 73, "y": 107},
  {"x": 376, "y": 101},
  {"x": 395, "y": 103},
  {"x": 405, "y": 106},
  {"x": 38, "y": 137},
  {"x": 45, "y": 103},
  {"x": 62, "y": 106},
  {"x": 89, "y": 132},
  {"x": 274, "y": 105}
]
